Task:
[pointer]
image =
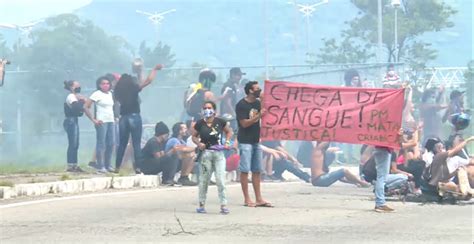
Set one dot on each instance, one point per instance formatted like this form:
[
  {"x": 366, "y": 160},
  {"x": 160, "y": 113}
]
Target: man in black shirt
[
  {"x": 249, "y": 112},
  {"x": 156, "y": 159}
]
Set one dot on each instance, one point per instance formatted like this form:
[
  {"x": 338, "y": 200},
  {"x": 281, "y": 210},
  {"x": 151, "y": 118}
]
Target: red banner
[{"x": 296, "y": 111}]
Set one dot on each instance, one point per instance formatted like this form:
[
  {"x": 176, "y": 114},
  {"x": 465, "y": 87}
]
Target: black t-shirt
[
  {"x": 152, "y": 146},
  {"x": 129, "y": 100},
  {"x": 246, "y": 110},
  {"x": 210, "y": 135}
]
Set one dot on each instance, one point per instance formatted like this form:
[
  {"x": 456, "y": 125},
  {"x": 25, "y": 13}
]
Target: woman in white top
[
  {"x": 103, "y": 120},
  {"x": 73, "y": 109}
]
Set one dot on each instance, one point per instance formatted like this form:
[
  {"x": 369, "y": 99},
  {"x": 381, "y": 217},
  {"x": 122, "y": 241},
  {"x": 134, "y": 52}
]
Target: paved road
[{"x": 303, "y": 214}]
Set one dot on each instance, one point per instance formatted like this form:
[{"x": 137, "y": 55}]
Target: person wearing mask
[
  {"x": 249, "y": 112},
  {"x": 103, "y": 120},
  {"x": 130, "y": 123},
  {"x": 73, "y": 109},
  {"x": 207, "y": 136},
  {"x": 391, "y": 79}
]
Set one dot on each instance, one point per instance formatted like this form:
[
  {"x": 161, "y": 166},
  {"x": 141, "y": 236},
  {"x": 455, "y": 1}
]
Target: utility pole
[{"x": 379, "y": 30}]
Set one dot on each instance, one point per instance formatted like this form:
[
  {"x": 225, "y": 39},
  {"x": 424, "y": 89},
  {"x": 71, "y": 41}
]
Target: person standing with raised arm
[{"x": 130, "y": 123}]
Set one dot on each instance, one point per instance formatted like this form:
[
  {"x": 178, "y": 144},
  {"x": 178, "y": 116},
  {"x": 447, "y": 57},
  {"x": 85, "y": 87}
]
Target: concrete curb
[
  {"x": 101, "y": 183},
  {"x": 77, "y": 186}
]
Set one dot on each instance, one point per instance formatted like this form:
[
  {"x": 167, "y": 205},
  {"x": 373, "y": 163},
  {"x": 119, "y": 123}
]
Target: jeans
[
  {"x": 328, "y": 179},
  {"x": 71, "y": 127},
  {"x": 250, "y": 158},
  {"x": 105, "y": 134},
  {"x": 167, "y": 165},
  {"x": 129, "y": 124},
  {"x": 279, "y": 166},
  {"x": 416, "y": 168},
  {"x": 394, "y": 181},
  {"x": 382, "y": 164},
  {"x": 212, "y": 161}
]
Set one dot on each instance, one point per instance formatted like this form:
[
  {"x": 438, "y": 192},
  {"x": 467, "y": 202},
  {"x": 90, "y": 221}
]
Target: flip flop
[
  {"x": 264, "y": 205},
  {"x": 201, "y": 210},
  {"x": 250, "y": 205}
]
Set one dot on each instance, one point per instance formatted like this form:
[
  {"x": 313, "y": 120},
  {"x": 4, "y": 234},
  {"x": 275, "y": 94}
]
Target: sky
[{"x": 23, "y": 11}]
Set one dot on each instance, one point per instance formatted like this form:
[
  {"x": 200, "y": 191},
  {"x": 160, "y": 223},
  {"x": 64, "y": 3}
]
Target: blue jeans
[
  {"x": 250, "y": 158},
  {"x": 382, "y": 165},
  {"x": 71, "y": 127},
  {"x": 105, "y": 143},
  {"x": 328, "y": 179},
  {"x": 394, "y": 181},
  {"x": 129, "y": 124},
  {"x": 279, "y": 166}
]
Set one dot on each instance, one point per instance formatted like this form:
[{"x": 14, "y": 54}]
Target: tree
[
  {"x": 418, "y": 17},
  {"x": 4, "y": 49},
  {"x": 161, "y": 54},
  {"x": 64, "y": 48}
]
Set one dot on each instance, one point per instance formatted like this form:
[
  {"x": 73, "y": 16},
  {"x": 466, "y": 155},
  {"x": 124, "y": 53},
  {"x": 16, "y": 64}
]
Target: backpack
[{"x": 194, "y": 102}]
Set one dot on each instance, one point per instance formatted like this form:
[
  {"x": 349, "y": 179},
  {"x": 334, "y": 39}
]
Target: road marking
[{"x": 20, "y": 204}]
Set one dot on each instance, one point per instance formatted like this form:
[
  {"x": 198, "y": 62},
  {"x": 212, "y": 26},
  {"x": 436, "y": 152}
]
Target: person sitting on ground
[
  {"x": 409, "y": 161},
  {"x": 441, "y": 176},
  {"x": 320, "y": 175},
  {"x": 428, "y": 154},
  {"x": 462, "y": 159},
  {"x": 281, "y": 161},
  {"x": 156, "y": 159},
  {"x": 184, "y": 155},
  {"x": 394, "y": 183}
]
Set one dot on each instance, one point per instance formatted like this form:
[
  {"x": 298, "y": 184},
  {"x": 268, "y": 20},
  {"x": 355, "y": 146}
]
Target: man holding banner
[{"x": 306, "y": 112}]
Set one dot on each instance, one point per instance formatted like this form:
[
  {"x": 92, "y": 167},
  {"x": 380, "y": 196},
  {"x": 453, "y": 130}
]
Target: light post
[
  {"x": 379, "y": 29},
  {"x": 396, "y": 4},
  {"x": 307, "y": 10}
]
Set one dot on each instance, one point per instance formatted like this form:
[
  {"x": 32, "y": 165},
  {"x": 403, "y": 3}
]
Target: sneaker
[
  {"x": 70, "y": 168},
  {"x": 93, "y": 165},
  {"x": 384, "y": 209},
  {"x": 110, "y": 170},
  {"x": 224, "y": 211},
  {"x": 185, "y": 181},
  {"x": 168, "y": 183},
  {"x": 266, "y": 178},
  {"x": 274, "y": 178},
  {"x": 78, "y": 169},
  {"x": 102, "y": 171}
]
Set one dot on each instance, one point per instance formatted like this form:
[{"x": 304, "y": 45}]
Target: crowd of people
[{"x": 212, "y": 140}]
